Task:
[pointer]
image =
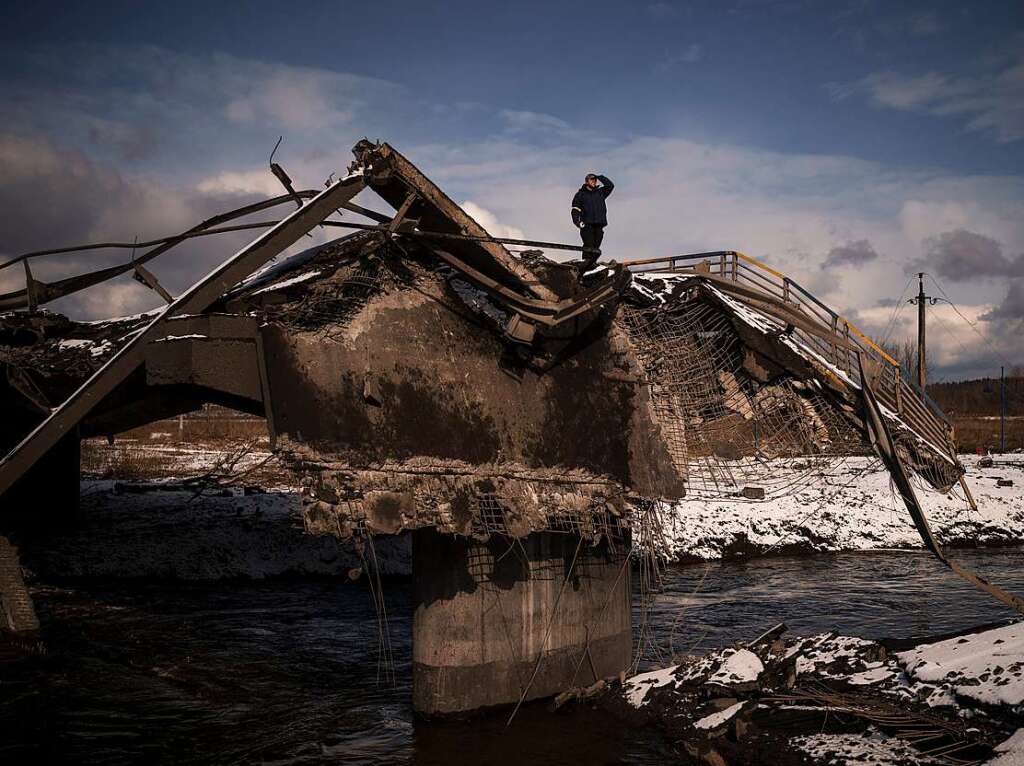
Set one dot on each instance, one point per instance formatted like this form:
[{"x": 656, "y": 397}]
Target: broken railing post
[{"x": 30, "y": 288}]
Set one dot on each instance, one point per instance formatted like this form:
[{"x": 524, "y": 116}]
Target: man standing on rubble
[{"x": 590, "y": 215}]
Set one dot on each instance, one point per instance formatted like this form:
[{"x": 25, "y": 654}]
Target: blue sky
[{"x": 873, "y": 137}]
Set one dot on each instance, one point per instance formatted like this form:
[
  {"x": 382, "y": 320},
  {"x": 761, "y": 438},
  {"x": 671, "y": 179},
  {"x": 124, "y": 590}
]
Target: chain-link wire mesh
[{"x": 731, "y": 422}]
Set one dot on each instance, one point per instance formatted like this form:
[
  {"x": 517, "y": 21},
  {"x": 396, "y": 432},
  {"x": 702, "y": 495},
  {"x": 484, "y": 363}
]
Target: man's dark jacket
[{"x": 588, "y": 205}]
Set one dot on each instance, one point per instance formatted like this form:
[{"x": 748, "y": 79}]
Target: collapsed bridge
[{"x": 524, "y": 421}]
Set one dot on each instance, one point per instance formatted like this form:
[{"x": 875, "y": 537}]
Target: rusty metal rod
[
  {"x": 268, "y": 224},
  {"x": 133, "y": 245},
  {"x": 204, "y": 226}
]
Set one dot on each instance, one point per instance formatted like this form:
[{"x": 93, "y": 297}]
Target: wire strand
[{"x": 970, "y": 324}]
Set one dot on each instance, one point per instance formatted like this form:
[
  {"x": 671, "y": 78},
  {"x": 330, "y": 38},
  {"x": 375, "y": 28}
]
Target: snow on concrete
[
  {"x": 986, "y": 667},
  {"x": 742, "y": 666},
  {"x": 828, "y": 655},
  {"x": 850, "y": 505},
  {"x": 715, "y": 720},
  {"x": 94, "y": 347},
  {"x": 190, "y": 336},
  {"x": 723, "y": 667},
  {"x": 637, "y": 687},
  {"x": 305, "y": 277}
]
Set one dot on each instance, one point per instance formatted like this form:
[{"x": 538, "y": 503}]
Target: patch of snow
[
  {"x": 95, "y": 348},
  {"x": 636, "y": 688},
  {"x": 191, "y": 336},
  {"x": 872, "y": 676},
  {"x": 715, "y": 720},
  {"x": 305, "y": 277},
  {"x": 986, "y": 667},
  {"x": 1011, "y": 752},
  {"x": 743, "y": 666},
  {"x": 655, "y": 286},
  {"x": 875, "y": 749},
  {"x": 830, "y": 655},
  {"x": 289, "y": 263},
  {"x": 151, "y": 314},
  {"x": 75, "y": 343}
]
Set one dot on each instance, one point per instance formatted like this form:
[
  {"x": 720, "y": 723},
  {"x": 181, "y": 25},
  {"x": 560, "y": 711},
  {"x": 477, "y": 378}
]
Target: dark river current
[{"x": 286, "y": 671}]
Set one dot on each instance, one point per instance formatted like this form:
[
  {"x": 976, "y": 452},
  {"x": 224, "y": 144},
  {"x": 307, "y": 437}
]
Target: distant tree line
[
  {"x": 963, "y": 397},
  {"x": 981, "y": 396}
]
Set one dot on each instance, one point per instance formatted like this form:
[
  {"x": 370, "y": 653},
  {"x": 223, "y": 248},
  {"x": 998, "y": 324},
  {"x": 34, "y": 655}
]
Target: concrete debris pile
[{"x": 839, "y": 699}]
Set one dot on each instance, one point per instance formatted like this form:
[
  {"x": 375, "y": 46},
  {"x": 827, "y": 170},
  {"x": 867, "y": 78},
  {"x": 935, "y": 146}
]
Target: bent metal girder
[
  {"x": 885, "y": 447},
  {"x": 196, "y": 299}
]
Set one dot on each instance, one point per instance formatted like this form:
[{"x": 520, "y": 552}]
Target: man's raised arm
[{"x": 606, "y": 185}]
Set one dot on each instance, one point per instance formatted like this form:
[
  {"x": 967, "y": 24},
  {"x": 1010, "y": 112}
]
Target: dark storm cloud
[
  {"x": 962, "y": 255},
  {"x": 54, "y": 197},
  {"x": 851, "y": 254},
  {"x": 1012, "y": 306}
]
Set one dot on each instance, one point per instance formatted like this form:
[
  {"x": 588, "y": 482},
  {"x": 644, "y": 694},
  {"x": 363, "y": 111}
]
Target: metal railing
[{"x": 894, "y": 389}]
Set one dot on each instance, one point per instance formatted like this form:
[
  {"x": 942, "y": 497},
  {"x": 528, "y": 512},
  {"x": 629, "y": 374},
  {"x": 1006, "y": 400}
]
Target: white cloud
[
  {"x": 294, "y": 98},
  {"x": 517, "y": 121},
  {"x": 490, "y": 222},
  {"x": 992, "y": 103},
  {"x": 260, "y": 182}
]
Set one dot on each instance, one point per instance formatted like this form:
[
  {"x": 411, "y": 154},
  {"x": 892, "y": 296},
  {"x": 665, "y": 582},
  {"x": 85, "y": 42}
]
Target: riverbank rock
[{"x": 839, "y": 700}]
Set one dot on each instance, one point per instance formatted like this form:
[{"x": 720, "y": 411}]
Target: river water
[{"x": 285, "y": 671}]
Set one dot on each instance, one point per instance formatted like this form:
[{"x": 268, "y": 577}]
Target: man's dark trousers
[{"x": 592, "y": 237}]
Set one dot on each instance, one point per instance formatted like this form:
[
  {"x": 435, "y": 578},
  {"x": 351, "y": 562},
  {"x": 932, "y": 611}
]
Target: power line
[
  {"x": 970, "y": 324},
  {"x": 891, "y": 324},
  {"x": 946, "y": 329}
]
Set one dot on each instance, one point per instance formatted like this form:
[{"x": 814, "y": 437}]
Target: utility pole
[{"x": 921, "y": 300}]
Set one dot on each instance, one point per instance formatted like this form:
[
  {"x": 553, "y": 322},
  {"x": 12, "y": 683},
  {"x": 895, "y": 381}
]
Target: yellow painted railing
[{"x": 893, "y": 388}]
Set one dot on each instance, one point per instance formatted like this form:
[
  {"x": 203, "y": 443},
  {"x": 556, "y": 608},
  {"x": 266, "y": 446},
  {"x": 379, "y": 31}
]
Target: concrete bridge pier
[{"x": 485, "y": 612}]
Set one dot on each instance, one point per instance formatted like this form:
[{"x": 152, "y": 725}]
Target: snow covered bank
[
  {"x": 851, "y": 506},
  {"x": 146, "y": 530},
  {"x": 841, "y": 700}
]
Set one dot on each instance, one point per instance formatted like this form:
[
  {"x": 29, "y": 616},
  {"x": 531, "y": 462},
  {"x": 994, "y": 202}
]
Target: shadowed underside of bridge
[{"x": 524, "y": 421}]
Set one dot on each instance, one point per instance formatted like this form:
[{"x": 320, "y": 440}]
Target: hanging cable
[
  {"x": 970, "y": 324},
  {"x": 891, "y": 324}
]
